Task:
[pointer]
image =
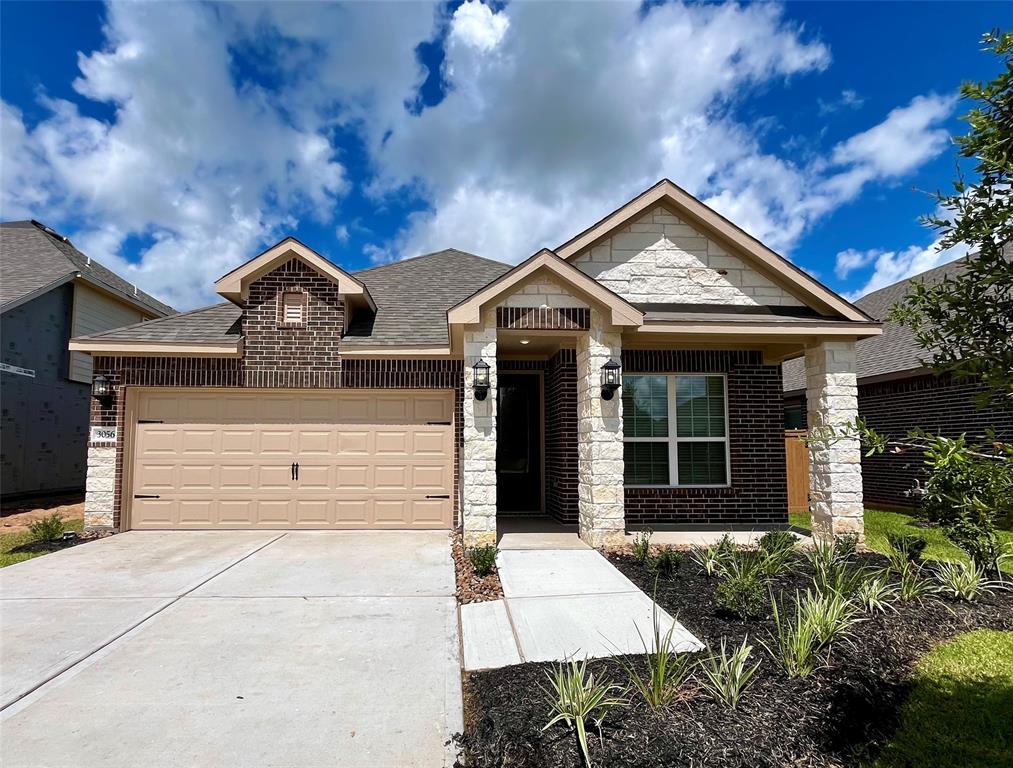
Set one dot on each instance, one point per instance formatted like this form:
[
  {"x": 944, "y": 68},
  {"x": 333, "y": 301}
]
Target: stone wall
[
  {"x": 660, "y": 259},
  {"x": 478, "y": 476},
  {"x": 100, "y": 487}
]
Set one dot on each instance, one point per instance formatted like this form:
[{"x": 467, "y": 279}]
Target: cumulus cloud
[
  {"x": 893, "y": 266},
  {"x": 847, "y": 261},
  {"x": 475, "y": 24}
]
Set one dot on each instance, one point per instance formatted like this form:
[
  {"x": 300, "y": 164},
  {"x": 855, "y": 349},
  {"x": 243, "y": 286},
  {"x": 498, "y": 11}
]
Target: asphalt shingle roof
[
  {"x": 895, "y": 350},
  {"x": 33, "y": 258},
  {"x": 412, "y": 297},
  {"x": 217, "y": 323}
]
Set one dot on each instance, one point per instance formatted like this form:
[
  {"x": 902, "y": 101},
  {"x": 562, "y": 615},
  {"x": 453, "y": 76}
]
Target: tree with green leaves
[{"x": 965, "y": 321}]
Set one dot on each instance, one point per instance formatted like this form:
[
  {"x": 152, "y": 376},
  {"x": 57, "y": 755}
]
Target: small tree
[{"x": 966, "y": 321}]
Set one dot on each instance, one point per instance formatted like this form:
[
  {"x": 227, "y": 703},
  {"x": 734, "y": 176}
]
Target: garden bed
[
  {"x": 473, "y": 587},
  {"x": 842, "y": 713}
]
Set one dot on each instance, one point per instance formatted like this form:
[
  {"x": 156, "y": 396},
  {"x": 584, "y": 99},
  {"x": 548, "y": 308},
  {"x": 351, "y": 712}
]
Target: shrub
[
  {"x": 667, "y": 562},
  {"x": 726, "y": 676},
  {"x": 876, "y": 594},
  {"x": 963, "y": 581},
  {"x": 795, "y": 640},
  {"x": 666, "y": 670},
  {"x": 979, "y": 542},
  {"x": 909, "y": 545},
  {"x": 742, "y": 595},
  {"x": 777, "y": 552},
  {"x": 46, "y": 528},
  {"x": 913, "y": 584},
  {"x": 642, "y": 545},
  {"x": 777, "y": 541},
  {"x": 483, "y": 558},
  {"x": 831, "y": 614},
  {"x": 577, "y": 697},
  {"x": 833, "y": 572},
  {"x": 712, "y": 557}
]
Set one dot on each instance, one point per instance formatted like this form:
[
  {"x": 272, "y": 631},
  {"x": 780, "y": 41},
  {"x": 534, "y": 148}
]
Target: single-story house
[
  {"x": 630, "y": 377},
  {"x": 897, "y": 393},
  {"x": 49, "y": 292}
]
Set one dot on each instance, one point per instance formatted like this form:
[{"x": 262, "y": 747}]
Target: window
[
  {"x": 292, "y": 308},
  {"x": 675, "y": 430}
]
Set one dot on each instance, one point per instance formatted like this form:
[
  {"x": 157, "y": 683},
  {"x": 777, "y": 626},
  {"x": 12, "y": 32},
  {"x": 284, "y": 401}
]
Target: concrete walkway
[
  {"x": 306, "y": 648},
  {"x": 561, "y": 603}
]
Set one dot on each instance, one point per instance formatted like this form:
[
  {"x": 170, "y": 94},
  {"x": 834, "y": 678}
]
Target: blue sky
[{"x": 173, "y": 141}]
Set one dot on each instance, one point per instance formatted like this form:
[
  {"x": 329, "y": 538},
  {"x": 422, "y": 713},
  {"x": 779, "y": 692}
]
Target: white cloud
[
  {"x": 475, "y": 24},
  {"x": 848, "y": 99},
  {"x": 893, "y": 266},
  {"x": 341, "y": 233},
  {"x": 849, "y": 260}
]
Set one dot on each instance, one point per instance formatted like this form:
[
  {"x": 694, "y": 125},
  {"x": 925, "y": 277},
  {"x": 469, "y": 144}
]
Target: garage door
[{"x": 353, "y": 459}]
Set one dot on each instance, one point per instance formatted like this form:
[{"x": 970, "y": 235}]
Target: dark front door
[{"x": 519, "y": 443}]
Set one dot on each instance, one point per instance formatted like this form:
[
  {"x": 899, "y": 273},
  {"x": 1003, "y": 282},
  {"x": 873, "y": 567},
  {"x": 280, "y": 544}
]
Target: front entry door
[{"x": 519, "y": 443}]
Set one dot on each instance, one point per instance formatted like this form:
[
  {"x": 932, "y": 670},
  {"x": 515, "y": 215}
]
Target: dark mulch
[
  {"x": 472, "y": 588},
  {"x": 57, "y": 544},
  {"x": 838, "y": 716}
]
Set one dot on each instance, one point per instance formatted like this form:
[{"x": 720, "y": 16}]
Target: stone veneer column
[
  {"x": 100, "y": 487},
  {"x": 835, "y": 469},
  {"x": 478, "y": 475},
  {"x": 602, "y": 519}
]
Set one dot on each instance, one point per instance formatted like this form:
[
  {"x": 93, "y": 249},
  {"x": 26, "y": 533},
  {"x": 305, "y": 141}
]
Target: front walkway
[
  {"x": 558, "y": 604},
  {"x": 244, "y": 648}
]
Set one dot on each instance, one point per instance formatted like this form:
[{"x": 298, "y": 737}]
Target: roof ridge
[{"x": 429, "y": 255}]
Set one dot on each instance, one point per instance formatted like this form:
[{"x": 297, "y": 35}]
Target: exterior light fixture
[
  {"x": 101, "y": 389},
  {"x": 525, "y": 341},
  {"x": 480, "y": 381},
  {"x": 611, "y": 379}
]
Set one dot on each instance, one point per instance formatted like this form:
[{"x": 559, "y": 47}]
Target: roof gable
[{"x": 739, "y": 242}]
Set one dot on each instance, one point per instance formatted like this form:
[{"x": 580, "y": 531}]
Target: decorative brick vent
[{"x": 543, "y": 318}]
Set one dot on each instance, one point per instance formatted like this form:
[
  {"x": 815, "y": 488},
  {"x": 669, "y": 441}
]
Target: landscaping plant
[
  {"x": 666, "y": 669},
  {"x": 913, "y": 585},
  {"x": 712, "y": 557},
  {"x": 742, "y": 595},
  {"x": 642, "y": 545},
  {"x": 777, "y": 552},
  {"x": 963, "y": 581},
  {"x": 48, "y": 528},
  {"x": 726, "y": 676},
  {"x": 795, "y": 640},
  {"x": 832, "y": 566},
  {"x": 483, "y": 558},
  {"x": 832, "y": 615},
  {"x": 576, "y": 698},
  {"x": 667, "y": 562},
  {"x": 909, "y": 545},
  {"x": 876, "y": 594}
]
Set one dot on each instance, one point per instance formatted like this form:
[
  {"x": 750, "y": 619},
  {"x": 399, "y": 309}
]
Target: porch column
[
  {"x": 835, "y": 469},
  {"x": 602, "y": 517},
  {"x": 478, "y": 471}
]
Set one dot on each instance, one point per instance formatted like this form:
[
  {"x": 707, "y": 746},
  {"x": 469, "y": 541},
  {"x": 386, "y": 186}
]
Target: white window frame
[{"x": 673, "y": 439}]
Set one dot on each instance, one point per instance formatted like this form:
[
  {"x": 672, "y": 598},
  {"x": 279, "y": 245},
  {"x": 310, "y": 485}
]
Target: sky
[{"x": 174, "y": 141}]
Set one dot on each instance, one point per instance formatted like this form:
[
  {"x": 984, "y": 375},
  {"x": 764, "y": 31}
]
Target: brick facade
[
  {"x": 758, "y": 492},
  {"x": 937, "y": 404}
]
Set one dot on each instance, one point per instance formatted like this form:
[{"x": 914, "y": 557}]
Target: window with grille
[
  {"x": 675, "y": 430},
  {"x": 293, "y": 308}
]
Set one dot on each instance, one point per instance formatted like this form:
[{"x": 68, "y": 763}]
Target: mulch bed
[
  {"x": 472, "y": 588},
  {"x": 838, "y": 716},
  {"x": 57, "y": 544}
]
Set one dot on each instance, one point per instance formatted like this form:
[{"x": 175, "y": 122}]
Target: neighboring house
[
  {"x": 451, "y": 390},
  {"x": 897, "y": 393},
  {"x": 49, "y": 292}
]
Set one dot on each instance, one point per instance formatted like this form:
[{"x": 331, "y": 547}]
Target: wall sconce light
[
  {"x": 611, "y": 379},
  {"x": 480, "y": 382},
  {"x": 102, "y": 390}
]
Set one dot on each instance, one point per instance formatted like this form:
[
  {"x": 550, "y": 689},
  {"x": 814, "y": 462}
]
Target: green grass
[
  {"x": 9, "y": 541},
  {"x": 878, "y": 524},
  {"x": 960, "y": 712}
]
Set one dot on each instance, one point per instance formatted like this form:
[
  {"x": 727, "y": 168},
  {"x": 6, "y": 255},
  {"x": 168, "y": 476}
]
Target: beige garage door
[{"x": 353, "y": 459}]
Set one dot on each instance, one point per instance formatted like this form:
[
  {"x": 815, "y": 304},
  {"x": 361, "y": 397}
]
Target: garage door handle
[
  {"x": 295, "y": 470},
  {"x": 146, "y": 496},
  {"x": 444, "y": 496},
  {"x": 438, "y": 423}
]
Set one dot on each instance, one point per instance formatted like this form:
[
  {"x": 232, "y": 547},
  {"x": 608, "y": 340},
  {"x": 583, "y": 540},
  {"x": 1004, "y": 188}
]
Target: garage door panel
[{"x": 224, "y": 459}]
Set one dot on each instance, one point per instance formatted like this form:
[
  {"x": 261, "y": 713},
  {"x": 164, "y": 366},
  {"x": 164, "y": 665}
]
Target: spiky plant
[
  {"x": 577, "y": 697},
  {"x": 727, "y": 675}
]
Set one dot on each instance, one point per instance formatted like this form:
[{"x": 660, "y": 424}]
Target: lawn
[
  {"x": 960, "y": 712},
  {"x": 11, "y": 541},
  {"x": 879, "y": 524}
]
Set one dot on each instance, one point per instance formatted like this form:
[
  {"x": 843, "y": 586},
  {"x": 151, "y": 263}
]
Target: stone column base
[
  {"x": 600, "y": 539},
  {"x": 100, "y": 488},
  {"x": 473, "y": 539}
]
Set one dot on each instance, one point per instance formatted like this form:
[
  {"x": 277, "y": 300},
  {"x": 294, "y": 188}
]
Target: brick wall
[
  {"x": 758, "y": 492},
  {"x": 561, "y": 437},
  {"x": 277, "y": 354},
  {"x": 937, "y": 404}
]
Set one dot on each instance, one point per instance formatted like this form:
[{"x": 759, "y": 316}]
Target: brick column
[
  {"x": 478, "y": 475},
  {"x": 835, "y": 468},
  {"x": 599, "y": 440}
]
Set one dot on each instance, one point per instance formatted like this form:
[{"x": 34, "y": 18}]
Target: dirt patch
[
  {"x": 840, "y": 715},
  {"x": 17, "y": 516},
  {"x": 472, "y": 588},
  {"x": 57, "y": 544}
]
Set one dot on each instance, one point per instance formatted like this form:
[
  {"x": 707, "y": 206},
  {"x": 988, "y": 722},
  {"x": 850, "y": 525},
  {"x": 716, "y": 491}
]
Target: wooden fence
[{"x": 797, "y": 457}]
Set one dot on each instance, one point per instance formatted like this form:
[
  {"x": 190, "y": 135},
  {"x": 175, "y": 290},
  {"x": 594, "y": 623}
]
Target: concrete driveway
[{"x": 302, "y": 648}]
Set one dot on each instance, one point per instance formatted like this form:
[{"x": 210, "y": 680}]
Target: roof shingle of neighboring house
[
  {"x": 412, "y": 298},
  {"x": 36, "y": 259},
  {"x": 896, "y": 350}
]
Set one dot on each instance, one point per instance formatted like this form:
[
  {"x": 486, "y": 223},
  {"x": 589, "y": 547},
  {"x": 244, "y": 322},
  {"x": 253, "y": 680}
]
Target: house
[
  {"x": 630, "y": 377},
  {"x": 897, "y": 393},
  {"x": 49, "y": 292}
]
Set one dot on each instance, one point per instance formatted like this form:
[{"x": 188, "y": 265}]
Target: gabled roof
[
  {"x": 235, "y": 285},
  {"x": 208, "y": 330},
  {"x": 35, "y": 259},
  {"x": 412, "y": 298},
  {"x": 741, "y": 243},
  {"x": 621, "y": 312},
  {"x": 895, "y": 351}
]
